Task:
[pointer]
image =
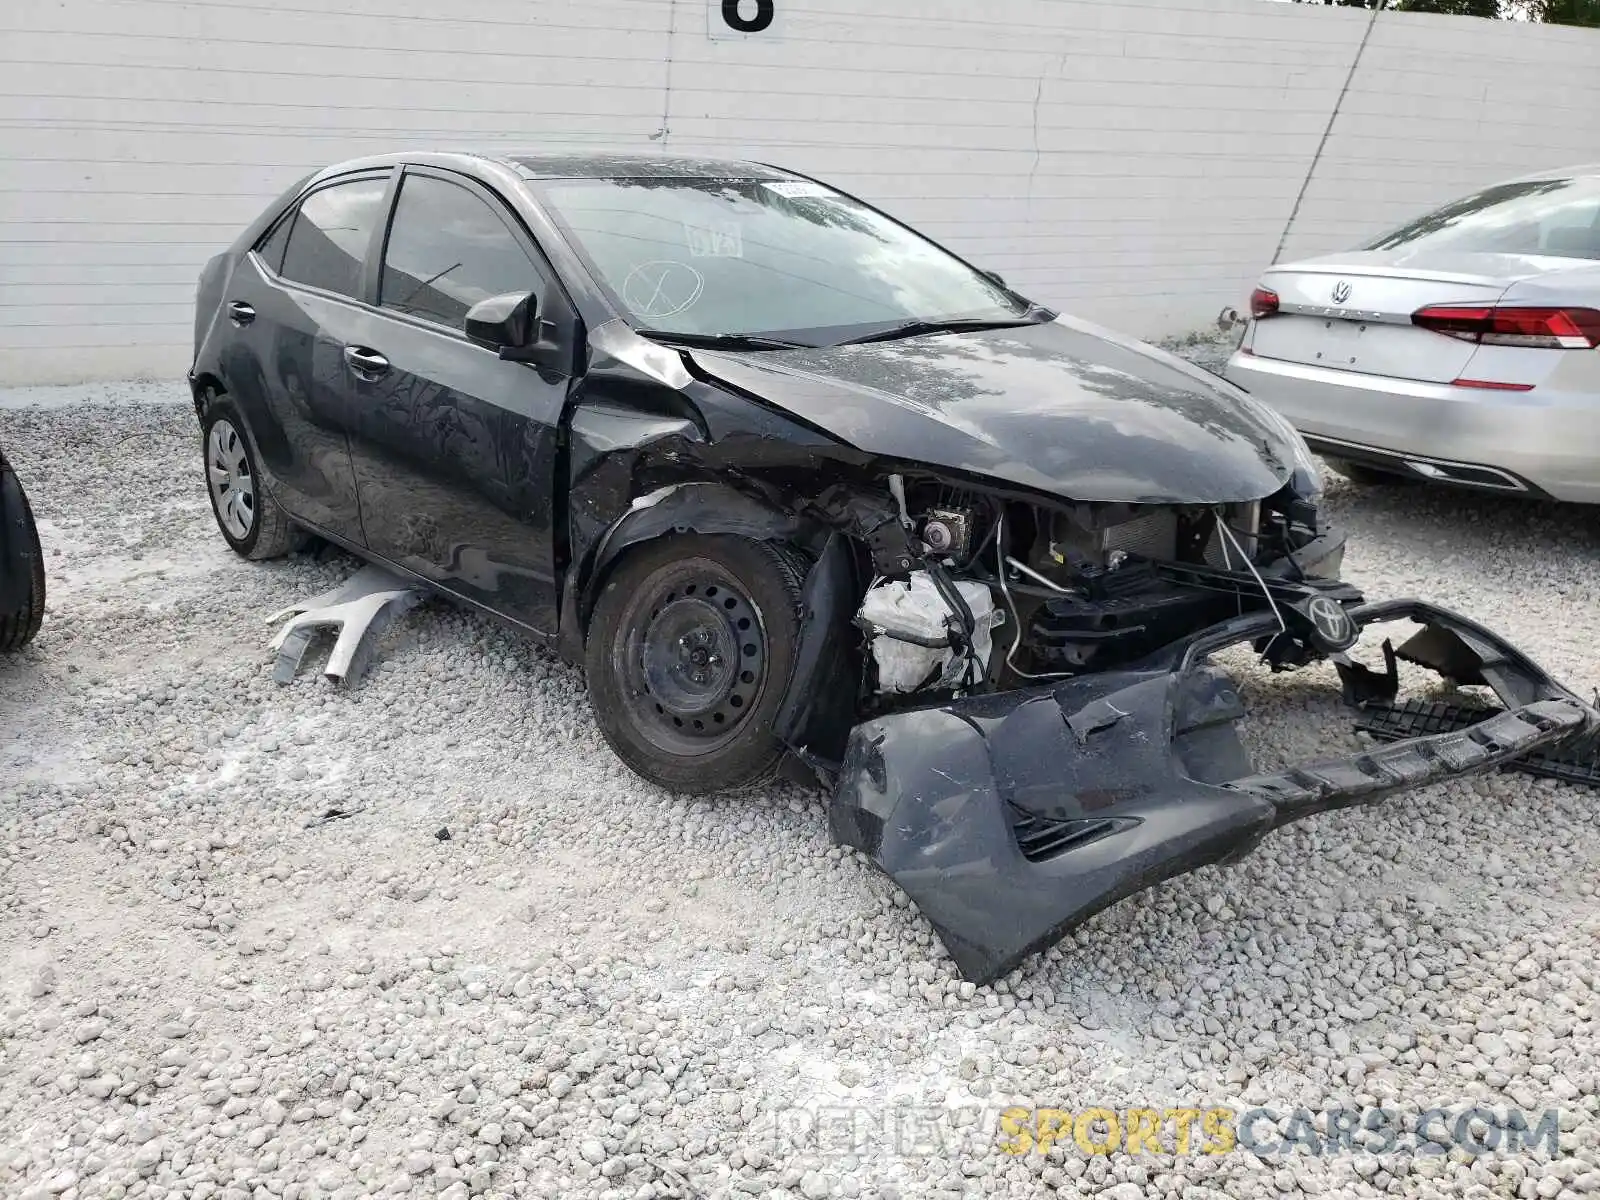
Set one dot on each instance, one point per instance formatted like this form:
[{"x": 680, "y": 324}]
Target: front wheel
[
  {"x": 688, "y": 658},
  {"x": 251, "y": 521}
]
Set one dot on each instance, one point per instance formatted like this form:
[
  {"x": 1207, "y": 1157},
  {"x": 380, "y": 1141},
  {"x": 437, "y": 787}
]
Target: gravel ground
[{"x": 516, "y": 970}]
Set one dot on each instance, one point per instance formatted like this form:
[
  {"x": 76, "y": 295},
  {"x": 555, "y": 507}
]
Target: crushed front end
[
  {"x": 1011, "y": 817},
  {"x": 1017, "y": 558}
]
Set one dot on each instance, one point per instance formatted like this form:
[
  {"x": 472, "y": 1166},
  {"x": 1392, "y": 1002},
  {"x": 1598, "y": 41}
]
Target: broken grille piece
[{"x": 1576, "y": 762}]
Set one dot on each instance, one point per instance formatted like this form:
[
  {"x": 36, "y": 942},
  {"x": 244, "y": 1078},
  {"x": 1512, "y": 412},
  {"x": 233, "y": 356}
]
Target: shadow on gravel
[{"x": 1467, "y": 517}]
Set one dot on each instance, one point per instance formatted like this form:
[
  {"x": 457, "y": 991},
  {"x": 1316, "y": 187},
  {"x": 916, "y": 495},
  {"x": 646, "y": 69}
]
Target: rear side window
[
  {"x": 448, "y": 250},
  {"x": 1559, "y": 217},
  {"x": 271, "y": 249},
  {"x": 330, "y": 235}
]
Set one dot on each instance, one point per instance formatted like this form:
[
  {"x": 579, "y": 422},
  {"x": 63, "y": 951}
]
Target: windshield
[
  {"x": 1557, "y": 217},
  {"x": 746, "y": 256}
]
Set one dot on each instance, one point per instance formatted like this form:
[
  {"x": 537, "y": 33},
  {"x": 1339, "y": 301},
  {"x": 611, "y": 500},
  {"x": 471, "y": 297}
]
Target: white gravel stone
[
  {"x": 89, "y": 1031},
  {"x": 595, "y": 989}
]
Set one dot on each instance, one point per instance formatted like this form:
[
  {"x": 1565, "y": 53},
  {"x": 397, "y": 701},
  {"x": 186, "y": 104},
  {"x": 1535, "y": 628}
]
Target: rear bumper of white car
[{"x": 1540, "y": 442}]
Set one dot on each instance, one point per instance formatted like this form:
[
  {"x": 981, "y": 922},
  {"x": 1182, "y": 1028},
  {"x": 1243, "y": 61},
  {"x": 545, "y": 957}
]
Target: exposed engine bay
[{"x": 1007, "y": 593}]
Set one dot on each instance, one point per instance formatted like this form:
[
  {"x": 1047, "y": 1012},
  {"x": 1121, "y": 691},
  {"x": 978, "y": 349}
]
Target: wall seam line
[
  {"x": 665, "y": 131},
  {"x": 1316, "y": 159}
]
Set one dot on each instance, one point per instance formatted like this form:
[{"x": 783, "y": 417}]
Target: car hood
[{"x": 1064, "y": 407}]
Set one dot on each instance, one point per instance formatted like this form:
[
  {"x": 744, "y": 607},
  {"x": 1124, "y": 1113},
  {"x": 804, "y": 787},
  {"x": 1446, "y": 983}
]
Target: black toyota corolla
[{"x": 796, "y": 485}]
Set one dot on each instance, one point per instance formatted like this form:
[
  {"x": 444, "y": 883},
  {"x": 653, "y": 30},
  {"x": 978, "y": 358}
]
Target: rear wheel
[
  {"x": 1366, "y": 476},
  {"x": 688, "y": 659},
  {"x": 26, "y": 558},
  {"x": 251, "y": 521}
]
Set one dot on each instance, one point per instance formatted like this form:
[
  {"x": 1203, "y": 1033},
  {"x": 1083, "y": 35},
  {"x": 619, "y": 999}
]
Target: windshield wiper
[
  {"x": 723, "y": 341},
  {"x": 917, "y": 328}
]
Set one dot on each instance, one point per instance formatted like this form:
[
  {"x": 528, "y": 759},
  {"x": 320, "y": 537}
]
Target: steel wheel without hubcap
[
  {"x": 688, "y": 655},
  {"x": 233, "y": 490},
  {"x": 694, "y": 658}
]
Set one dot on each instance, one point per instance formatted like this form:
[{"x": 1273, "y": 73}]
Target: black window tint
[
  {"x": 271, "y": 249},
  {"x": 330, "y": 236},
  {"x": 447, "y": 251}
]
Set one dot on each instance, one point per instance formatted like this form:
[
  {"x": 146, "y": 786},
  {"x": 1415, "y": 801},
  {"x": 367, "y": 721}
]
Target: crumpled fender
[
  {"x": 688, "y": 508},
  {"x": 819, "y": 706},
  {"x": 697, "y": 507}
]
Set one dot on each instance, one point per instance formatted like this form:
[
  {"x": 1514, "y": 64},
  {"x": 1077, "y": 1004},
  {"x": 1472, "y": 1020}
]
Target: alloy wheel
[{"x": 233, "y": 489}]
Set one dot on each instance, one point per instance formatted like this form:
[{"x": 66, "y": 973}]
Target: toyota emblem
[
  {"x": 1341, "y": 291},
  {"x": 1333, "y": 625}
]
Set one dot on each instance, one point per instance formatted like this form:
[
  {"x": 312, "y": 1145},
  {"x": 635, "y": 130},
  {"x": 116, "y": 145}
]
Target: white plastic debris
[
  {"x": 910, "y": 625},
  {"x": 358, "y": 612}
]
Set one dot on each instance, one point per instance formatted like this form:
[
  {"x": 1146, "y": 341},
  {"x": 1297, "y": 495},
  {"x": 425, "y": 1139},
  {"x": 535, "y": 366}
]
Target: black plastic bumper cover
[{"x": 1009, "y": 819}]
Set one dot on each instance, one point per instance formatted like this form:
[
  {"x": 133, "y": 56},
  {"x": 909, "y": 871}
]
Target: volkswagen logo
[
  {"x": 1334, "y": 627},
  {"x": 1341, "y": 291}
]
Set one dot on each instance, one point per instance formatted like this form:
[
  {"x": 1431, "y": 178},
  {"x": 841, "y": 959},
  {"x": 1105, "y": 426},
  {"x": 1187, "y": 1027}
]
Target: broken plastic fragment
[
  {"x": 1092, "y": 718},
  {"x": 358, "y": 611}
]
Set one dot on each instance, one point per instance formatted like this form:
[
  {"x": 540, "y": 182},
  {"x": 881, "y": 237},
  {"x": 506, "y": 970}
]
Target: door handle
[
  {"x": 368, "y": 364},
  {"x": 241, "y": 313}
]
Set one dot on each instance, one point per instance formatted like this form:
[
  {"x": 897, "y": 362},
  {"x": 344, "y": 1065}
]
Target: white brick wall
[
  {"x": 1441, "y": 106},
  {"x": 1136, "y": 161}
]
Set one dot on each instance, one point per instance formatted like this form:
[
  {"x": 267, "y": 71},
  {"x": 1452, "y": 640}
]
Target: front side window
[
  {"x": 1558, "y": 217},
  {"x": 745, "y": 256},
  {"x": 330, "y": 235},
  {"x": 447, "y": 251}
]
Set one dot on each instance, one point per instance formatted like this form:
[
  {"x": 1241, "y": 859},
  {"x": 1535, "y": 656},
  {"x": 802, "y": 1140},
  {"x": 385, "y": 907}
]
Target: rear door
[
  {"x": 294, "y": 303},
  {"x": 454, "y": 448}
]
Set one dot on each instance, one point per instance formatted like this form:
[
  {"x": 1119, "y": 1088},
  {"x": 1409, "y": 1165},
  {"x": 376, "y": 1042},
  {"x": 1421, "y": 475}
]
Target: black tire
[
  {"x": 688, "y": 658},
  {"x": 25, "y": 557},
  {"x": 1360, "y": 473},
  {"x": 255, "y": 529}
]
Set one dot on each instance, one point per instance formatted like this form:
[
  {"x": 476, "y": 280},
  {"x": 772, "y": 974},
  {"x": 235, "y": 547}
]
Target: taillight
[
  {"x": 1540, "y": 328},
  {"x": 1263, "y": 303},
  {"x": 1491, "y": 385}
]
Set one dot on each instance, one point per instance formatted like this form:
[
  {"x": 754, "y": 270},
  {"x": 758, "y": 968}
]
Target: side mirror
[
  {"x": 511, "y": 326},
  {"x": 994, "y": 277},
  {"x": 503, "y": 322}
]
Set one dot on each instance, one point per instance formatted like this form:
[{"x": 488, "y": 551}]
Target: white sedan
[{"x": 1462, "y": 348}]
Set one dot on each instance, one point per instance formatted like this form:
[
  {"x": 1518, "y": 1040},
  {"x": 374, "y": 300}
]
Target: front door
[{"x": 454, "y": 448}]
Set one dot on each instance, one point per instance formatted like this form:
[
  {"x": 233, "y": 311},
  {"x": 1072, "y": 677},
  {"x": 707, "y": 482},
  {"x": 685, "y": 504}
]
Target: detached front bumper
[{"x": 1011, "y": 818}]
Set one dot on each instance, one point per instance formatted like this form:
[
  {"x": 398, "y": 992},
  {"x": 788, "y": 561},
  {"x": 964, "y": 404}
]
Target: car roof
[
  {"x": 1581, "y": 171},
  {"x": 600, "y": 165},
  {"x": 573, "y": 164}
]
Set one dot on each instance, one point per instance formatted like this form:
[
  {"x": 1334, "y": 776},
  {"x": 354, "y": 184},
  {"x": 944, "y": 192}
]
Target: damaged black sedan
[{"x": 796, "y": 486}]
